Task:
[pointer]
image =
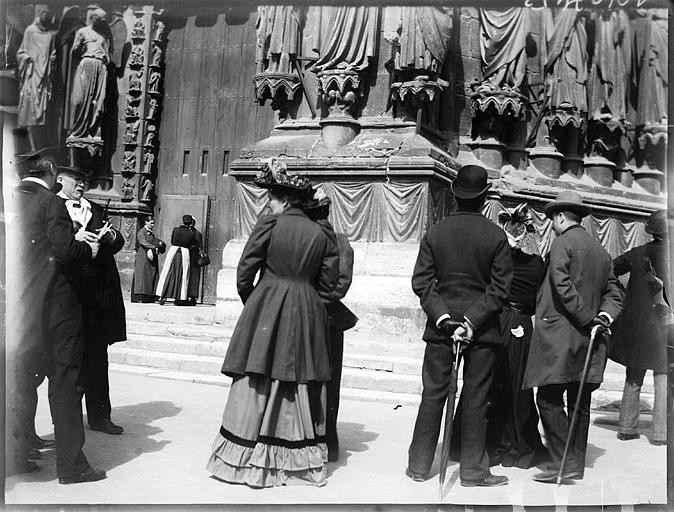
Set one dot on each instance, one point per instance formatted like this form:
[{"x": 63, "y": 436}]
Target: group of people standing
[{"x": 180, "y": 276}]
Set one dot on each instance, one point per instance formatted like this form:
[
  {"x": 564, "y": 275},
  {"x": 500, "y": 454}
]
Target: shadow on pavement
[
  {"x": 592, "y": 453},
  {"x": 352, "y": 438}
]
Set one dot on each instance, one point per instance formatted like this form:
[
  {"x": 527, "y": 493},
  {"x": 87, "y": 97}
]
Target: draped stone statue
[
  {"x": 422, "y": 37},
  {"x": 36, "y": 61},
  {"x": 651, "y": 52},
  {"x": 87, "y": 99},
  {"x": 343, "y": 37},
  {"x": 278, "y": 38},
  {"x": 610, "y": 65},
  {"x": 502, "y": 46}
]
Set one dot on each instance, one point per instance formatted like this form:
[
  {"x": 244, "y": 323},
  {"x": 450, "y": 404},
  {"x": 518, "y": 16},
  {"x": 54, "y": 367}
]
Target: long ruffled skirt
[{"x": 272, "y": 433}]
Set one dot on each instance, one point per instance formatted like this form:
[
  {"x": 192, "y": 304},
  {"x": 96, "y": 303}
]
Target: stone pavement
[{"x": 170, "y": 425}]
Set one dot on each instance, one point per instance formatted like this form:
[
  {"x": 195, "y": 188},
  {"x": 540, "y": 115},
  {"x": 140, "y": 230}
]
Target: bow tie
[{"x": 76, "y": 205}]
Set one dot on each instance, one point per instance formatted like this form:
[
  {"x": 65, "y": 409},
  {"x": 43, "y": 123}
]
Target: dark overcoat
[
  {"x": 146, "y": 272},
  {"x": 49, "y": 259},
  {"x": 639, "y": 337},
  {"x": 464, "y": 268},
  {"x": 185, "y": 236},
  {"x": 102, "y": 299},
  {"x": 283, "y": 331},
  {"x": 578, "y": 284}
]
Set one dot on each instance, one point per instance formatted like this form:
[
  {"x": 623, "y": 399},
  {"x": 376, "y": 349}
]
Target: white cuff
[
  {"x": 446, "y": 316},
  {"x": 610, "y": 318},
  {"x": 469, "y": 322}
]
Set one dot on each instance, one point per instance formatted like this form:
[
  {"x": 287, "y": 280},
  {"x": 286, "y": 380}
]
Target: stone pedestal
[
  {"x": 489, "y": 151},
  {"x": 547, "y": 160},
  {"x": 600, "y": 170},
  {"x": 650, "y": 179}
]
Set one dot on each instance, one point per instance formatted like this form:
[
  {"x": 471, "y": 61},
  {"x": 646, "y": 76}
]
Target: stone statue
[
  {"x": 147, "y": 187},
  {"x": 129, "y": 161},
  {"x": 343, "y": 37},
  {"x": 157, "y": 54},
  {"x": 566, "y": 64},
  {"x": 279, "y": 38},
  {"x": 131, "y": 133},
  {"x": 422, "y": 37},
  {"x": 137, "y": 56},
  {"x": 127, "y": 189},
  {"x": 159, "y": 29},
  {"x": 131, "y": 111},
  {"x": 651, "y": 53},
  {"x": 149, "y": 160},
  {"x": 502, "y": 46},
  {"x": 36, "y": 62},
  {"x": 87, "y": 99},
  {"x": 138, "y": 31},
  {"x": 149, "y": 136},
  {"x": 610, "y": 64},
  {"x": 134, "y": 82},
  {"x": 152, "y": 110},
  {"x": 153, "y": 82}
]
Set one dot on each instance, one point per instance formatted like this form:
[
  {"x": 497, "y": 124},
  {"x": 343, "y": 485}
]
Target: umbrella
[
  {"x": 459, "y": 344},
  {"x": 574, "y": 418}
]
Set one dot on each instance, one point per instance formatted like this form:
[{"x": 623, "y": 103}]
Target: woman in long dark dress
[
  {"x": 146, "y": 267},
  {"x": 273, "y": 426},
  {"x": 512, "y": 418}
]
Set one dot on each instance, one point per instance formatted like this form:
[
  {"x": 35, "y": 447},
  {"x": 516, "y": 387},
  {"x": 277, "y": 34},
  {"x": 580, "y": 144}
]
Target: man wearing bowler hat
[
  {"x": 462, "y": 274},
  {"x": 46, "y": 312},
  {"x": 578, "y": 292},
  {"x": 104, "y": 316}
]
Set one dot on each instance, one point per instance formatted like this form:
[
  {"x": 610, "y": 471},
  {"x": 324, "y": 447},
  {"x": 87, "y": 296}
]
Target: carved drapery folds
[
  {"x": 420, "y": 38},
  {"x": 279, "y": 38}
]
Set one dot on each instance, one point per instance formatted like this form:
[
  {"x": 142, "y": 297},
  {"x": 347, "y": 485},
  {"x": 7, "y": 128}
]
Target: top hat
[
  {"x": 470, "y": 182},
  {"x": 657, "y": 224},
  {"x": 77, "y": 171},
  {"x": 567, "y": 200}
]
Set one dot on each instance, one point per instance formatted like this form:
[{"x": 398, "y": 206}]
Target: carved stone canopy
[
  {"x": 341, "y": 80},
  {"x": 422, "y": 88},
  {"x": 565, "y": 116},
  {"x": 268, "y": 85},
  {"x": 652, "y": 134},
  {"x": 505, "y": 101}
]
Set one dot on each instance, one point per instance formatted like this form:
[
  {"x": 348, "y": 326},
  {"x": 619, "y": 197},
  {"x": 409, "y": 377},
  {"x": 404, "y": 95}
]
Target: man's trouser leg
[
  {"x": 333, "y": 387},
  {"x": 95, "y": 371},
  {"x": 65, "y": 402},
  {"x": 629, "y": 405},
  {"x": 435, "y": 374},
  {"x": 477, "y": 379}
]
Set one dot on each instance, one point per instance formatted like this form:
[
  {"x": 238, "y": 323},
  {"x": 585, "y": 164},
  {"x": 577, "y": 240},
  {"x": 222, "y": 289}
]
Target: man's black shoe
[
  {"x": 106, "y": 426},
  {"x": 417, "y": 477},
  {"x": 550, "y": 476},
  {"x": 88, "y": 475},
  {"x": 627, "y": 437},
  {"x": 488, "y": 481}
]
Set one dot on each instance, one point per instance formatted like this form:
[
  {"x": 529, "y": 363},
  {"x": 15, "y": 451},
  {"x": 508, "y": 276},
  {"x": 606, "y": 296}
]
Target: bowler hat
[
  {"x": 470, "y": 182},
  {"x": 567, "y": 200},
  {"x": 77, "y": 171},
  {"x": 657, "y": 224}
]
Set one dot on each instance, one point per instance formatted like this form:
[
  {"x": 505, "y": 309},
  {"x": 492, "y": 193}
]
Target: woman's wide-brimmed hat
[
  {"x": 567, "y": 200},
  {"x": 470, "y": 182},
  {"x": 520, "y": 229},
  {"x": 657, "y": 224},
  {"x": 281, "y": 179}
]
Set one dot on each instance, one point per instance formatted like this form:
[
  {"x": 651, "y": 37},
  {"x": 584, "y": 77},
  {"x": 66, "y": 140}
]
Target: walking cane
[
  {"x": 459, "y": 344},
  {"x": 574, "y": 418}
]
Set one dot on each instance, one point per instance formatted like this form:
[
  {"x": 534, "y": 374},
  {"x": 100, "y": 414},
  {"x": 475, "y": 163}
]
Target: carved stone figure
[
  {"x": 87, "y": 100},
  {"x": 147, "y": 188},
  {"x": 149, "y": 160},
  {"x": 129, "y": 164},
  {"x": 159, "y": 29},
  {"x": 131, "y": 111},
  {"x": 36, "y": 62},
  {"x": 651, "y": 53},
  {"x": 138, "y": 31},
  {"x": 502, "y": 46},
  {"x": 149, "y": 136},
  {"x": 128, "y": 189},
  {"x": 134, "y": 82},
  {"x": 611, "y": 61},
  {"x": 279, "y": 38},
  {"x": 153, "y": 82},
  {"x": 157, "y": 54},
  {"x": 152, "y": 109},
  {"x": 343, "y": 37},
  {"x": 137, "y": 56},
  {"x": 422, "y": 37},
  {"x": 131, "y": 134}
]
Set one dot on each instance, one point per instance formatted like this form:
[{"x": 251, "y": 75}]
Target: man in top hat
[
  {"x": 104, "y": 317},
  {"x": 639, "y": 340},
  {"x": 47, "y": 314},
  {"x": 578, "y": 292},
  {"x": 340, "y": 318},
  {"x": 462, "y": 274}
]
